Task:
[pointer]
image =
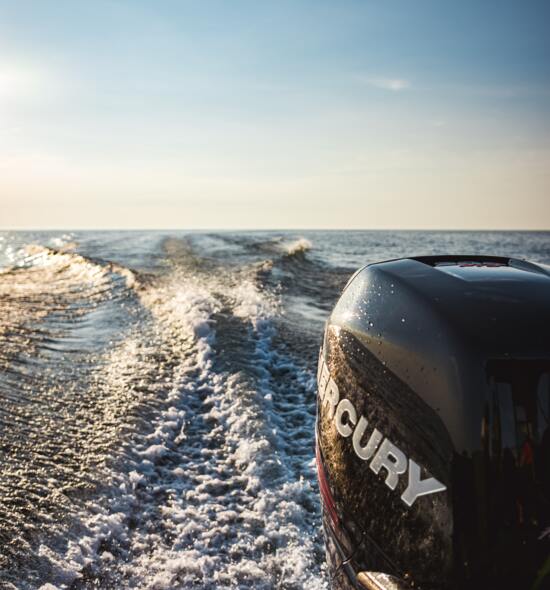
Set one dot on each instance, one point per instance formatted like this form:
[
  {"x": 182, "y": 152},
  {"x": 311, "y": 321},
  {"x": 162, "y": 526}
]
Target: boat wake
[{"x": 174, "y": 451}]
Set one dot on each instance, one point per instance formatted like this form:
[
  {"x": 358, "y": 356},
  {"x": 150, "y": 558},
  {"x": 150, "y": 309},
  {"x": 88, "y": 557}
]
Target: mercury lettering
[{"x": 377, "y": 449}]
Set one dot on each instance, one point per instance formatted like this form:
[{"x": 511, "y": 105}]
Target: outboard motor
[{"x": 433, "y": 440}]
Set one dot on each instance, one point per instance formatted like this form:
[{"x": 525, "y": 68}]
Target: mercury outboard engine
[{"x": 433, "y": 440}]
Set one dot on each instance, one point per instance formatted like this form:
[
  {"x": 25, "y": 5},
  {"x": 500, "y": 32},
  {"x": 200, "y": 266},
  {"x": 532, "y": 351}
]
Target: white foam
[
  {"x": 214, "y": 497},
  {"x": 296, "y": 246}
]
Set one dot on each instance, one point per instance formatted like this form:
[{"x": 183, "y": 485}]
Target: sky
[{"x": 275, "y": 114}]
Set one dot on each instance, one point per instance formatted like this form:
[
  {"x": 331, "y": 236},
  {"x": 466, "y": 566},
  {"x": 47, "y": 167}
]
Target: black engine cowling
[{"x": 433, "y": 416}]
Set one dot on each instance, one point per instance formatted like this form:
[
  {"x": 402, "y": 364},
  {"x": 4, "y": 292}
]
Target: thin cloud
[{"x": 394, "y": 84}]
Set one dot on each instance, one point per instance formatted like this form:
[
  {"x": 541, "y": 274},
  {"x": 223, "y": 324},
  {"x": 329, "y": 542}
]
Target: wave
[
  {"x": 190, "y": 431},
  {"x": 58, "y": 312},
  {"x": 299, "y": 246},
  {"x": 238, "y": 507}
]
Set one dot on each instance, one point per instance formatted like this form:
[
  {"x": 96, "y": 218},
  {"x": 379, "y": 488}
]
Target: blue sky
[{"x": 275, "y": 114}]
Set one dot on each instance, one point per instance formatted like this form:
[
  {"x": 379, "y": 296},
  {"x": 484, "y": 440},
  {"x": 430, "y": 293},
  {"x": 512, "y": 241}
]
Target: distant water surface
[{"x": 157, "y": 400}]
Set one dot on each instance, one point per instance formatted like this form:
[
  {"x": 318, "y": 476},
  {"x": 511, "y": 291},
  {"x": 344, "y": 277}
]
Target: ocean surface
[{"x": 157, "y": 401}]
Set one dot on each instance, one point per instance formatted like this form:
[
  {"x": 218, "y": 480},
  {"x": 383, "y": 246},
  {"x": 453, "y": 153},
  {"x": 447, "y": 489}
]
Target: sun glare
[{"x": 18, "y": 81}]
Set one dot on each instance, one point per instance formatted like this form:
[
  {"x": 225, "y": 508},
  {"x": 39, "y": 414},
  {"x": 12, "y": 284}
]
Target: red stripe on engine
[{"x": 326, "y": 495}]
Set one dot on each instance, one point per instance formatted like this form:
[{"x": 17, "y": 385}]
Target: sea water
[{"x": 157, "y": 400}]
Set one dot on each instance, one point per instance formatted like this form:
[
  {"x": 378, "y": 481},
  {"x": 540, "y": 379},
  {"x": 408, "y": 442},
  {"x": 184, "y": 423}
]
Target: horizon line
[{"x": 298, "y": 229}]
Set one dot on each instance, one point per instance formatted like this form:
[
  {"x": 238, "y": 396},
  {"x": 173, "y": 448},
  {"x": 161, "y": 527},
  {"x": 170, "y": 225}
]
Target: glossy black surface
[{"x": 449, "y": 358}]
